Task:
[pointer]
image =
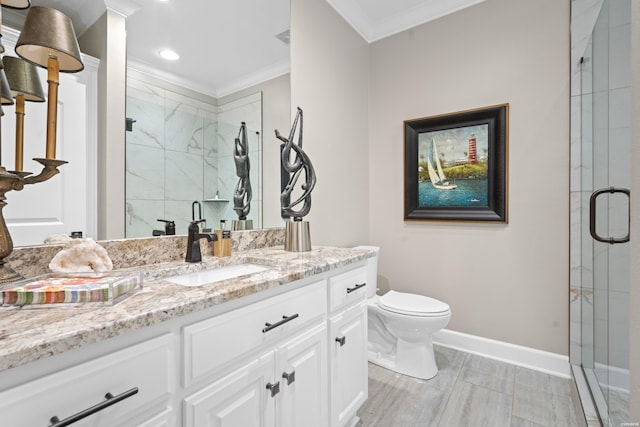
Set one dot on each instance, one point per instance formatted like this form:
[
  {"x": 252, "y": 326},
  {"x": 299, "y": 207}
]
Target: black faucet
[
  {"x": 169, "y": 228},
  {"x": 193, "y": 241}
]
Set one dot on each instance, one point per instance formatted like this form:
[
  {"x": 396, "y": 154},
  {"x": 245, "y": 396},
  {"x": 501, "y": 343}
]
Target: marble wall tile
[
  {"x": 575, "y": 145},
  {"x": 209, "y": 135},
  {"x": 145, "y": 172},
  {"x": 583, "y": 17},
  {"x": 211, "y": 179},
  {"x": 575, "y": 238},
  {"x": 216, "y": 211},
  {"x": 619, "y": 113},
  {"x": 585, "y": 160},
  {"x": 619, "y": 261},
  {"x": 587, "y": 329},
  {"x": 619, "y": 58},
  {"x": 148, "y": 113},
  {"x": 188, "y": 131},
  {"x": 618, "y": 333},
  {"x": 141, "y": 217},
  {"x": 586, "y": 248},
  {"x": 586, "y": 69},
  {"x": 619, "y": 149},
  {"x": 183, "y": 176},
  {"x": 184, "y": 125},
  {"x": 600, "y": 145},
  {"x": 600, "y": 55}
]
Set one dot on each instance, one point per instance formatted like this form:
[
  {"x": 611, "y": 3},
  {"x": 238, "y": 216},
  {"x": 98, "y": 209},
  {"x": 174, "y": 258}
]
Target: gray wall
[
  {"x": 505, "y": 282},
  {"x": 329, "y": 81}
]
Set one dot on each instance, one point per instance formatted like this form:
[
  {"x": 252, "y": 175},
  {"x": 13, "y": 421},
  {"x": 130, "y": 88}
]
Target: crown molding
[
  {"x": 268, "y": 73},
  {"x": 356, "y": 15},
  {"x": 123, "y": 7}
]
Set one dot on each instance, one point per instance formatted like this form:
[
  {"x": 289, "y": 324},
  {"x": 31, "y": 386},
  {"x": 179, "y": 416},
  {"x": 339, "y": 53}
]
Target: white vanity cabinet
[
  {"x": 291, "y": 356},
  {"x": 267, "y": 362},
  {"x": 143, "y": 375},
  {"x": 348, "y": 345}
]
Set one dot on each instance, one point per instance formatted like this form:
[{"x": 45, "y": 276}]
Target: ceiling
[{"x": 225, "y": 45}]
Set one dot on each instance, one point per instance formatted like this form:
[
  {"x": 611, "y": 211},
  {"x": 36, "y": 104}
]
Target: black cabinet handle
[
  {"x": 285, "y": 319},
  {"x": 111, "y": 400},
  {"x": 592, "y": 215},
  {"x": 289, "y": 376},
  {"x": 356, "y": 287},
  {"x": 341, "y": 340},
  {"x": 275, "y": 388}
]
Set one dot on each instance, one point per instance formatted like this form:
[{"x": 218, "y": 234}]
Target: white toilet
[{"x": 401, "y": 326}]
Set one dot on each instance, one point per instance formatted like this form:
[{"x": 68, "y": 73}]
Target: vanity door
[
  {"x": 302, "y": 372},
  {"x": 245, "y": 397},
  {"x": 348, "y": 359}
]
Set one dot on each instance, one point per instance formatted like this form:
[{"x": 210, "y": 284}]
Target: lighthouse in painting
[{"x": 473, "y": 157}]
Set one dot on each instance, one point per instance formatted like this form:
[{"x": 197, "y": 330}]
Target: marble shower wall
[
  {"x": 174, "y": 154},
  {"x": 230, "y": 116}
]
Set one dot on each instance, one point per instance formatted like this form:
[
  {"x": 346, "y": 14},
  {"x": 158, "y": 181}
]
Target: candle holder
[
  {"x": 16, "y": 180},
  {"x": 47, "y": 40}
]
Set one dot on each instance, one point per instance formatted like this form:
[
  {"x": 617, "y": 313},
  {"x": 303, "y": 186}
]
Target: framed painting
[{"x": 455, "y": 166}]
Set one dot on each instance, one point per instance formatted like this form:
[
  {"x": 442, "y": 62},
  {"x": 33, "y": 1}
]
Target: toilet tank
[{"x": 372, "y": 270}]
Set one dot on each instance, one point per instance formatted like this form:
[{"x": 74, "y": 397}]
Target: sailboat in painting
[{"x": 438, "y": 179}]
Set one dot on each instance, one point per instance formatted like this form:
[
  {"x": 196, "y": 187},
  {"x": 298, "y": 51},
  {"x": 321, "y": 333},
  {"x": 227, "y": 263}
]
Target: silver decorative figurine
[{"x": 297, "y": 235}]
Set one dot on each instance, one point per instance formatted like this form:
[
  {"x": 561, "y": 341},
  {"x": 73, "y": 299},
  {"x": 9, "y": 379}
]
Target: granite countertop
[{"x": 32, "y": 334}]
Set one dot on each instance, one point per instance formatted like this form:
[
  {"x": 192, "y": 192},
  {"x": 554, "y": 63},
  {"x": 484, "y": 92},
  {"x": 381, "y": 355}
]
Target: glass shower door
[{"x": 606, "y": 106}]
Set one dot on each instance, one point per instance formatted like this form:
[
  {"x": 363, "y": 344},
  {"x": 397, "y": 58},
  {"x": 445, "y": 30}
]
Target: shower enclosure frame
[{"x": 602, "y": 278}]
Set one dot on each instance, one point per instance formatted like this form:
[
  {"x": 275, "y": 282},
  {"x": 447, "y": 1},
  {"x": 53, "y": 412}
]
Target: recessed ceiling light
[{"x": 169, "y": 55}]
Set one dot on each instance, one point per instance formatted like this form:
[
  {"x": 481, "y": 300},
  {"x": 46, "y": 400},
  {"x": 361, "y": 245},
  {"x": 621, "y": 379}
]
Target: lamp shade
[
  {"x": 5, "y": 90},
  {"x": 49, "y": 32},
  {"x": 16, "y": 4},
  {"x": 23, "y": 79}
]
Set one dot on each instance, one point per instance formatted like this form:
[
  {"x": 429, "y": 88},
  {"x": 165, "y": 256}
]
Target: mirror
[
  {"x": 179, "y": 159},
  {"x": 184, "y": 115},
  {"x": 220, "y": 68}
]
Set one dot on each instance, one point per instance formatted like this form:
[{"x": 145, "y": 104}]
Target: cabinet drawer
[
  {"x": 149, "y": 366},
  {"x": 212, "y": 343},
  {"x": 346, "y": 288}
]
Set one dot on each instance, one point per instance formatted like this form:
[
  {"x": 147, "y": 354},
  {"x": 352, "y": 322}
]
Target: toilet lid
[{"x": 412, "y": 304}]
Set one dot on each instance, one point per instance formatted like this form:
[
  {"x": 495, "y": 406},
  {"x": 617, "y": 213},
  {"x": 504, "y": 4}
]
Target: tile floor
[{"x": 468, "y": 391}]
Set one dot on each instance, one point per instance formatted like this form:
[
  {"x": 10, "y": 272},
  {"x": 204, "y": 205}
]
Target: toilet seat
[{"x": 412, "y": 304}]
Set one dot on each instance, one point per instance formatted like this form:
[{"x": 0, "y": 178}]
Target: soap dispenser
[{"x": 222, "y": 246}]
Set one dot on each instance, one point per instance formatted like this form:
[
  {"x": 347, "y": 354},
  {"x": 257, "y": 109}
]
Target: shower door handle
[{"x": 592, "y": 215}]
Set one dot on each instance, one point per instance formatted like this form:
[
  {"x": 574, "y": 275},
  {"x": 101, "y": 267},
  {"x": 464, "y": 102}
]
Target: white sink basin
[{"x": 205, "y": 277}]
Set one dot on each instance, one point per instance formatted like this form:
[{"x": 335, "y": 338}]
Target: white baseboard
[{"x": 543, "y": 361}]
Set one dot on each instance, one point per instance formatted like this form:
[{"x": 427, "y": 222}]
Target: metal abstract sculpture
[
  {"x": 300, "y": 163},
  {"x": 242, "y": 193},
  {"x": 297, "y": 236}
]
